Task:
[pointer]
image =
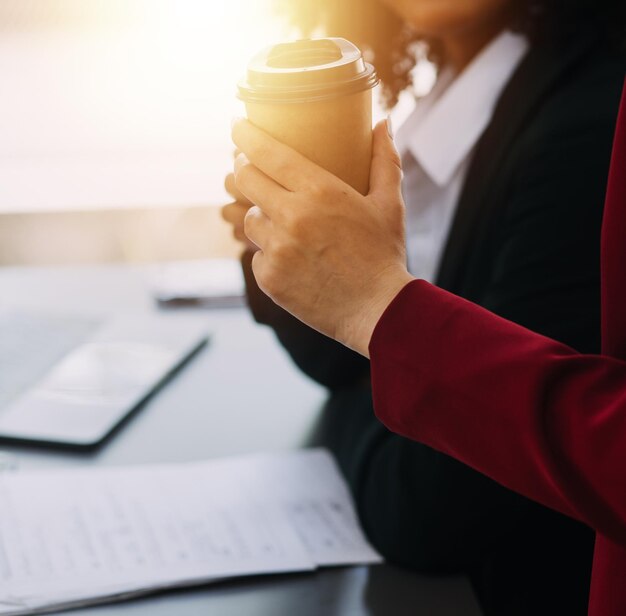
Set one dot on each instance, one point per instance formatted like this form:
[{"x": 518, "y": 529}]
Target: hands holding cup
[
  {"x": 332, "y": 257},
  {"x": 328, "y": 215}
]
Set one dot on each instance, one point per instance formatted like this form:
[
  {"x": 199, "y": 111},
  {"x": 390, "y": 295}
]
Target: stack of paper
[{"x": 78, "y": 537}]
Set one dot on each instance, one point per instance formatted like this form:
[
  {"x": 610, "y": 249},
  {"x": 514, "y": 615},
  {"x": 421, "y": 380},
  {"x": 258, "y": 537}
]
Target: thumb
[{"x": 386, "y": 168}]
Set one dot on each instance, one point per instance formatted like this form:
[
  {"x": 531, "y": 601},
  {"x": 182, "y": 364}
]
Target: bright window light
[{"x": 114, "y": 103}]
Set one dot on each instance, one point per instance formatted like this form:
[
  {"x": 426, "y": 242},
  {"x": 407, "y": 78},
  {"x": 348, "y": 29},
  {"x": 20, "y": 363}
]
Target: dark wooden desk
[{"x": 240, "y": 394}]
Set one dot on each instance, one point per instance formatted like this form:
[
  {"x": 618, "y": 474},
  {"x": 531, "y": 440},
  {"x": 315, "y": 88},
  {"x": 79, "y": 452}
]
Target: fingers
[
  {"x": 258, "y": 188},
  {"x": 276, "y": 160},
  {"x": 234, "y": 213},
  {"x": 386, "y": 170},
  {"x": 231, "y": 189},
  {"x": 258, "y": 265},
  {"x": 257, "y": 227}
]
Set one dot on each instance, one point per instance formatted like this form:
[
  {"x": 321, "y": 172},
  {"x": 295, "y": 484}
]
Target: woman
[
  {"x": 530, "y": 412},
  {"x": 504, "y": 208}
]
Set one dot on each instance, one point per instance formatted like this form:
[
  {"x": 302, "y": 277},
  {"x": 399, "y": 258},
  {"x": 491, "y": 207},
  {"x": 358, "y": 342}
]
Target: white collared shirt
[{"x": 437, "y": 143}]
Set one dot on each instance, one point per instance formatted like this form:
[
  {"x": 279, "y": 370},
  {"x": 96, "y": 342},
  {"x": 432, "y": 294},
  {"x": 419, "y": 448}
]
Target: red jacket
[{"x": 529, "y": 412}]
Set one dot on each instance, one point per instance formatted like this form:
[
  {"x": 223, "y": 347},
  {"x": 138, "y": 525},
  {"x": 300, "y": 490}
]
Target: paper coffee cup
[{"x": 316, "y": 97}]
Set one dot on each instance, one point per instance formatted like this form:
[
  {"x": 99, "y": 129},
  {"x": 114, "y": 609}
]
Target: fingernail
[
  {"x": 240, "y": 161},
  {"x": 390, "y": 127}
]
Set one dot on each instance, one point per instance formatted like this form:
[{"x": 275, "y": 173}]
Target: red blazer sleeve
[{"x": 529, "y": 412}]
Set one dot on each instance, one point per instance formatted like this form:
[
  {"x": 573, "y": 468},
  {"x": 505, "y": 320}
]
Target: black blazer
[{"x": 524, "y": 244}]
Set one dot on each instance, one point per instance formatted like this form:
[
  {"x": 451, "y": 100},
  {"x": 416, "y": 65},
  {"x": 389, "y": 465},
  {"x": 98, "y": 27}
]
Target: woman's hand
[
  {"x": 235, "y": 212},
  {"x": 329, "y": 255}
]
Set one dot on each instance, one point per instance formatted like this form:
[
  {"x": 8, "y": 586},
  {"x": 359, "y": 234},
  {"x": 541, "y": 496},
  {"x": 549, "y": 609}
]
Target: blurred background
[{"x": 114, "y": 125}]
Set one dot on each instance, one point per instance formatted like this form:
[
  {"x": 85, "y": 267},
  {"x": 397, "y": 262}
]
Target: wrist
[{"x": 385, "y": 288}]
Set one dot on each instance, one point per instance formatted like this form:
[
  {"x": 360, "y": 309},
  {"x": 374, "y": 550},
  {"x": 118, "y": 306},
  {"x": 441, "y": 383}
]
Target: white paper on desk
[
  {"x": 316, "y": 500},
  {"x": 73, "y": 537}
]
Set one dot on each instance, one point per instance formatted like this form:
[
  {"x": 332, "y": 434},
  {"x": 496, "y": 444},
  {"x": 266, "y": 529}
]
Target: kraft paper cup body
[
  {"x": 336, "y": 134},
  {"x": 331, "y": 126}
]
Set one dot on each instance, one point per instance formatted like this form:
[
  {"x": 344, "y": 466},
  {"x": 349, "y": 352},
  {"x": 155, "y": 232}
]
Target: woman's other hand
[
  {"x": 235, "y": 213},
  {"x": 329, "y": 255}
]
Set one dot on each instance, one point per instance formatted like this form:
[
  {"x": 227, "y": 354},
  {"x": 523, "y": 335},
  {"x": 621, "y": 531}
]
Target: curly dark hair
[{"x": 395, "y": 48}]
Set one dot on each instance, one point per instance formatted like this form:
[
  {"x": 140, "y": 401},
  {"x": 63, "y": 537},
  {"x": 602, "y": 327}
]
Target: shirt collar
[{"x": 447, "y": 124}]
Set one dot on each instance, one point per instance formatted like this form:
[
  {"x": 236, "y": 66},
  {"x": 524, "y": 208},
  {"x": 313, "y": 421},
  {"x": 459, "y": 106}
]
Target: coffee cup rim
[{"x": 307, "y": 83}]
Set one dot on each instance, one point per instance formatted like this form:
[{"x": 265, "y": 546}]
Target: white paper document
[{"x": 77, "y": 537}]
